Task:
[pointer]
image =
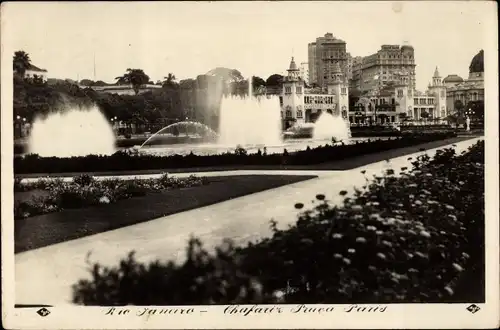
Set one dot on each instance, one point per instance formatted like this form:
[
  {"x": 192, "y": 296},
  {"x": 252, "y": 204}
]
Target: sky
[{"x": 257, "y": 38}]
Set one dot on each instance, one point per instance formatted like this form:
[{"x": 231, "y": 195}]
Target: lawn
[{"x": 43, "y": 230}]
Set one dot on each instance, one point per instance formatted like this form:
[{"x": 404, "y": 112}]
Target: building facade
[
  {"x": 324, "y": 54},
  {"x": 460, "y": 93},
  {"x": 304, "y": 72},
  {"x": 387, "y": 65},
  {"x": 397, "y": 102},
  {"x": 33, "y": 71},
  {"x": 300, "y": 105}
]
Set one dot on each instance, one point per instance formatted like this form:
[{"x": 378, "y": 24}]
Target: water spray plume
[{"x": 77, "y": 131}]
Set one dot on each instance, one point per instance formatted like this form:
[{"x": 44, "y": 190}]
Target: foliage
[
  {"x": 409, "y": 237},
  {"x": 21, "y": 62},
  {"x": 84, "y": 190},
  {"x": 274, "y": 80},
  {"x": 122, "y": 161},
  {"x": 134, "y": 77}
]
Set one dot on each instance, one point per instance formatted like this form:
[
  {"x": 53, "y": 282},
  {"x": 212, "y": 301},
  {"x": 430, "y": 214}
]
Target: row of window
[
  {"x": 423, "y": 101},
  {"x": 298, "y": 90}
]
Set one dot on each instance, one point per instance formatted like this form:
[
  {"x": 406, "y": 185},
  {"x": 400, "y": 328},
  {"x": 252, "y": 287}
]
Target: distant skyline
[{"x": 257, "y": 38}]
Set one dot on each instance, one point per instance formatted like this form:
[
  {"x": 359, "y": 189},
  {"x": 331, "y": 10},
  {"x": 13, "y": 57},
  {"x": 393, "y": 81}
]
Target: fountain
[
  {"x": 328, "y": 126},
  {"x": 182, "y": 128},
  {"x": 250, "y": 120},
  {"x": 77, "y": 131}
]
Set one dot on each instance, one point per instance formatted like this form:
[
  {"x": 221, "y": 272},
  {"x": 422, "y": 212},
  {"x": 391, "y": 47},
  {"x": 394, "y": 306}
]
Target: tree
[
  {"x": 257, "y": 82},
  {"x": 170, "y": 81},
  {"x": 21, "y": 62},
  {"x": 274, "y": 80},
  {"x": 459, "y": 106},
  {"x": 86, "y": 82},
  {"x": 135, "y": 77}
]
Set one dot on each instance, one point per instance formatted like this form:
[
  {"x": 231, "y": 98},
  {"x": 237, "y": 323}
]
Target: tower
[
  {"x": 340, "y": 89},
  {"x": 438, "y": 89},
  {"x": 293, "y": 95}
]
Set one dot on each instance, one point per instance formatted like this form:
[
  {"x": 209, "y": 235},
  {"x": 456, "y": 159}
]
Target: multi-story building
[
  {"x": 304, "y": 72},
  {"x": 299, "y": 105},
  {"x": 323, "y": 54},
  {"x": 397, "y": 102},
  {"x": 385, "y": 66},
  {"x": 466, "y": 91}
]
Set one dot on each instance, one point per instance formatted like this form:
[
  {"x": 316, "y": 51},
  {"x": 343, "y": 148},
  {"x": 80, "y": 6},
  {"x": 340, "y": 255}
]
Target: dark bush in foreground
[
  {"x": 405, "y": 238},
  {"x": 123, "y": 161},
  {"x": 84, "y": 190}
]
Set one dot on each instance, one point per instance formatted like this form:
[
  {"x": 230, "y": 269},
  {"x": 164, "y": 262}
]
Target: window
[
  {"x": 281, "y": 114},
  {"x": 288, "y": 114},
  {"x": 422, "y": 101},
  {"x": 442, "y": 94},
  {"x": 344, "y": 90},
  {"x": 300, "y": 114},
  {"x": 288, "y": 90},
  {"x": 299, "y": 90},
  {"x": 400, "y": 93}
]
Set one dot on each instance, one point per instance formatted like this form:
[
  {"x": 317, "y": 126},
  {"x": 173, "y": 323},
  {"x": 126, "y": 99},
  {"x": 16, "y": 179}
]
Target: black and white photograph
[{"x": 253, "y": 164}]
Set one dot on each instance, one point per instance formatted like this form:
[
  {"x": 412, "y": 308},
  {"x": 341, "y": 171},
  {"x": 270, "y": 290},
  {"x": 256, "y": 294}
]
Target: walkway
[{"x": 45, "y": 276}]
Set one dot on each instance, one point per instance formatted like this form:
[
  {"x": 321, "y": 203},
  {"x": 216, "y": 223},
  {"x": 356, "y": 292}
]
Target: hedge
[
  {"x": 401, "y": 238},
  {"x": 126, "y": 161}
]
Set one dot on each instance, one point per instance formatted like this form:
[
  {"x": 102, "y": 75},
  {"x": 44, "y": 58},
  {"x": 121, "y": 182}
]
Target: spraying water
[
  {"x": 328, "y": 126},
  {"x": 250, "y": 121},
  {"x": 77, "y": 132}
]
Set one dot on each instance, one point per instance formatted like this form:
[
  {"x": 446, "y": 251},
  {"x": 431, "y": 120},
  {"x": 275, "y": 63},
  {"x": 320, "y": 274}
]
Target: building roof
[
  {"x": 436, "y": 73},
  {"x": 35, "y": 68},
  {"x": 293, "y": 66},
  {"x": 477, "y": 63},
  {"x": 453, "y": 78}
]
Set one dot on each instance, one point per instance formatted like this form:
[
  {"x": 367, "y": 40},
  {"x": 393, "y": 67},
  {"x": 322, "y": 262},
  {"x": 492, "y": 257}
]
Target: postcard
[{"x": 250, "y": 164}]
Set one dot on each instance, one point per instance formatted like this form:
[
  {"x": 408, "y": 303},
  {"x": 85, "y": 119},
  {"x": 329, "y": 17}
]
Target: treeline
[{"x": 196, "y": 99}]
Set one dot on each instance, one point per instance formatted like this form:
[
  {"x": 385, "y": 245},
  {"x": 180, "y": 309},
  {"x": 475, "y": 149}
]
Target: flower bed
[
  {"x": 401, "y": 238},
  {"x": 85, "y": 191},
  {"x": 124, "y": 161}
]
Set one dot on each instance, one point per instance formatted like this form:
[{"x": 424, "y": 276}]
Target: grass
[{"x": 39, "y": 231}]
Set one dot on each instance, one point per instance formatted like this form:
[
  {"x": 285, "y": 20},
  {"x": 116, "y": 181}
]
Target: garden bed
[
  {"x": 123, "y": 161},
  {"x": 413, "y": 238},
  {"x": 54, "y": 195},
  {"x": 42, "y": 230}
]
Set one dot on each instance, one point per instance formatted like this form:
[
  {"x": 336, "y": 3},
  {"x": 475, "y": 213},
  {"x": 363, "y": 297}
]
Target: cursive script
[{"x": 254, "y": 309}]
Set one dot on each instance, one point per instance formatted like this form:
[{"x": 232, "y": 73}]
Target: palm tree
[
  {"x": 21, "y": 62},
  {"x": 135, "y": 77},
  {"x": 170, "y": 80}
]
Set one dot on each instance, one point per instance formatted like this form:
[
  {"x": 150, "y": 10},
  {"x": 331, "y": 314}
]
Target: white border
[{"x": 396, "y": 315}]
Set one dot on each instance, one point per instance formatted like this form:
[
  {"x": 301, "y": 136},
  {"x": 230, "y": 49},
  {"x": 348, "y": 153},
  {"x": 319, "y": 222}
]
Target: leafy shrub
[
  {"x": 408, "y": 237},
  {"x": 131, "y": 159},
  {"x": 83, "y": 179}
]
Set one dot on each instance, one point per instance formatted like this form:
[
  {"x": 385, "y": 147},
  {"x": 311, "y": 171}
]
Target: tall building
[
  {"x": 299, "y": 106},
  {"x": 387, "y": 65},
  {"x": 304, "y": 72},
  {"x": 323, "y": 54}
]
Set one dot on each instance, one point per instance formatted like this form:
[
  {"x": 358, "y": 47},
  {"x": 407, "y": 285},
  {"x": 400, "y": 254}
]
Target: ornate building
[
  {"x": 299, "y": 105},
  {"x": 386, "y": 65},
  {"x": 397, "y": 101},
  {"x": 460, "y": 93}
]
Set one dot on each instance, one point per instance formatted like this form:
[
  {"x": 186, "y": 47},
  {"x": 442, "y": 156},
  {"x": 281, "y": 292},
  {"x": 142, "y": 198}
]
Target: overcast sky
[{"x": 257, "y": 38}]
